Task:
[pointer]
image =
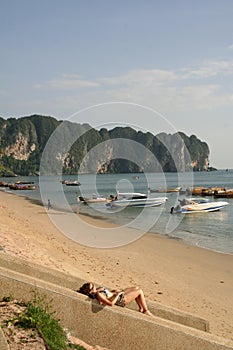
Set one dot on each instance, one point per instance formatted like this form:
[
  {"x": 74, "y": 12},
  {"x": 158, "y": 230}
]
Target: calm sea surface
[{"x": 213, "y": 230}]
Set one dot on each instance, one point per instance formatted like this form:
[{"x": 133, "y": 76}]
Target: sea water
[{"x": 212, "y": 230}]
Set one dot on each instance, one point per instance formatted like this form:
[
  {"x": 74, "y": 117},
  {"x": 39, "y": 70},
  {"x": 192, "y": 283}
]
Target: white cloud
[
  {"x": 201, "y": 73},
  {"x": 141, "y": 76},
  {"x": 175, "y": 98},
  {"x": 190, "y": 88},
  {"x": 221, "y": 66},
  {"x": 209, "y": 69},
  {"x": 68, "y": 81}
]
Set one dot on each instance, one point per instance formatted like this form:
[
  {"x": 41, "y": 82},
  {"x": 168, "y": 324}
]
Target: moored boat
[
  {"x": 93, "y": 199},
  {"x": 212, "y": 190},
  {"x": 134, "y": 199},
  {"x": 71, "y": 183},
  {"x": 206, "y": 191},
  {"x": 22, "y": 186},
  {"x": 197, "y": 205},
  {"x": 166, "y": 190},
  {"x": 224, "y": 194},
  {"x": 24, "y": 182},
  {"x": 3, "y": 184},
  {"x": 197, "y": 191}
]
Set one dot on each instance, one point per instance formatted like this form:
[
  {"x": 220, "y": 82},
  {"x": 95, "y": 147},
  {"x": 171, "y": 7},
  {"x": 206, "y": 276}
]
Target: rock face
[
  {"x": 72, "y": 148},
  {"x": 21, "y": 149}
]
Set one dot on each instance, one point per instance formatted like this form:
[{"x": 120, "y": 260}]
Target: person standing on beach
[{"x": 49, "y": 204}]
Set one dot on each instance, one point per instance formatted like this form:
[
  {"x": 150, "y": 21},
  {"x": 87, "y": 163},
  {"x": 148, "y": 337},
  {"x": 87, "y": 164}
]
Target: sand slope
[{"x": 185, "y": 277}]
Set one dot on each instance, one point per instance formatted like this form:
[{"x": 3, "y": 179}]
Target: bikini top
[{"x": 105, "y": 291}]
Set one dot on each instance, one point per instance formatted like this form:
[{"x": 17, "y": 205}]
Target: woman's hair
[{"x": 85, "y": 289}]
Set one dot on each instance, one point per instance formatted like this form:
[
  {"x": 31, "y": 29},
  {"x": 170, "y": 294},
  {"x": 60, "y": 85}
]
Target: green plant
[{"x": 38, "y": 315}]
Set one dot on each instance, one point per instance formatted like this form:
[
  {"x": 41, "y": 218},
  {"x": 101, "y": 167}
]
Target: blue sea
[{"x": 213, "y": 230}]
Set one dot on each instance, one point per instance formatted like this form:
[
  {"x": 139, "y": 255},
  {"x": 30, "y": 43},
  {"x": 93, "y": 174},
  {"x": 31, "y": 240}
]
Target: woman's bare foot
[{"x": 147, "y": 312}]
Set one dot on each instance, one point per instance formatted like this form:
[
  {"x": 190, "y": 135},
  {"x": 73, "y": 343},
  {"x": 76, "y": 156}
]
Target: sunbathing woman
[{"x": 116, "y": 297}]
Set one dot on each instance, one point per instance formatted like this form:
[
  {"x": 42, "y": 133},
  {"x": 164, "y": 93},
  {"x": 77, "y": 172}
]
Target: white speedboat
[
  {"x": 93, "y": 199},
  {"x": 197, "y": 205},
  {"x": 134, "y": 199}
]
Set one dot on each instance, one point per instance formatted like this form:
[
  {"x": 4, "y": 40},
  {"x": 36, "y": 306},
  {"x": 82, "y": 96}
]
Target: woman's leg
[{"x": 136, "y": 293}]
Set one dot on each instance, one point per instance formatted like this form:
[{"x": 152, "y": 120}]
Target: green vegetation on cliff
[{"x": 72, "y": 148}]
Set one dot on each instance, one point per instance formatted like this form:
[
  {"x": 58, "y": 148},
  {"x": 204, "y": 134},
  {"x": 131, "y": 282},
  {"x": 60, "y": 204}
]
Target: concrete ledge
[
  {"x": 35, "y": 270},
  {"x": 112, "y": 327},
  {"x": 176, "y": 315},
  {"x": 72, "y": 282}
]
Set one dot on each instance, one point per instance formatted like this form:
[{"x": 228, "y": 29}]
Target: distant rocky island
[{"x": 79, "y": 148}]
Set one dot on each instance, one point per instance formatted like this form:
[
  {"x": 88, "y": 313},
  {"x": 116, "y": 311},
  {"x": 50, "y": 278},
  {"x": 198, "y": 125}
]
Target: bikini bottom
[{"x": 121, "y": 300}]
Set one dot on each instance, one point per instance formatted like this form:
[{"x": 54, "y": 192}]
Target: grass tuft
[{"x": 39, "y": 315}]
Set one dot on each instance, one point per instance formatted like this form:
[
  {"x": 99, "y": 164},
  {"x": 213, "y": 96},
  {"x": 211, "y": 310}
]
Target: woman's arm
[{"x": 102, "y": 298}]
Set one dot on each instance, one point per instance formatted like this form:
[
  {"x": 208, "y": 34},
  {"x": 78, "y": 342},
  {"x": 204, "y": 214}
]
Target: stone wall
[{"x": 112, "y": 327}]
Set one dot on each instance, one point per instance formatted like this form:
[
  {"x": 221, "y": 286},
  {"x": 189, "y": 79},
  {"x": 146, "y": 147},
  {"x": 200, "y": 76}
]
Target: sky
[{"x": 156, "y": 65}]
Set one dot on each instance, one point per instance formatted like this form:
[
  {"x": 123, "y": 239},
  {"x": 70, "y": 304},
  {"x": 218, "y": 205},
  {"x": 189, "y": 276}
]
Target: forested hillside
[{"x": 80, "y": 148}]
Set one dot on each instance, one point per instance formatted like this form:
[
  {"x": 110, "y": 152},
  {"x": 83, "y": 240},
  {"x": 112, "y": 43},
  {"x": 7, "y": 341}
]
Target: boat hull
[
  {"x": 201, "y": 208},
  {"x": 166, "y": 190},
  {"x": 225, "y": 194},
  {"x": 73, "y": 184},
  {"x": 92, "y": 200},
  {"x": 21, "y": 187},
  {"x": 137, "y": 203}
]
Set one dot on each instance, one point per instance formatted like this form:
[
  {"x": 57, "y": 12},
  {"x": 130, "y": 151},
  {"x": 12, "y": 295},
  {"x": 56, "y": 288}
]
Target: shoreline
[
  {"x": 190, "y": 278},
  {"x": 212, "y": 250},
  {"x": 112, "y": 223}
]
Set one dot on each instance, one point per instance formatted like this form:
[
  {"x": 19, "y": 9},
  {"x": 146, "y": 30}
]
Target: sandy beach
[{"x": 185, "y": 277}]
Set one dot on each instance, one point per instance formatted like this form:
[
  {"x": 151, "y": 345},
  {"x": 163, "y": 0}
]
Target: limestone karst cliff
[{"x": 73, "y": 148}]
